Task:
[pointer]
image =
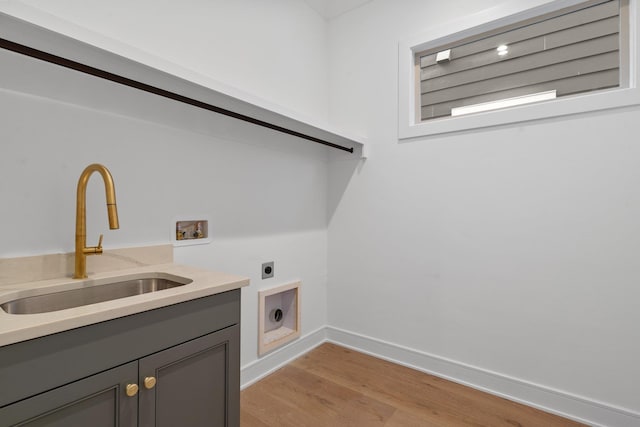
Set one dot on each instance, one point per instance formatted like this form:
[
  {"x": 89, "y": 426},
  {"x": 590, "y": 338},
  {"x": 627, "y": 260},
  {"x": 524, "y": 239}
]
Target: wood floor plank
[
  {"x": 335, "y": 386},
  {"x": 248, "y": 419},
  {"x": 405, "y": 419},
  {"x": 322, "y": 402}
]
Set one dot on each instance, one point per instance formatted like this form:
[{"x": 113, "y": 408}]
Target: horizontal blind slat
[
  {"x": 569, "y": 86},
  {"x": 562, "y": 22},
  {"x": 609, "y": 26},
  {"x": 524, "y": 63},
  {"x": 526, "y": 78}
]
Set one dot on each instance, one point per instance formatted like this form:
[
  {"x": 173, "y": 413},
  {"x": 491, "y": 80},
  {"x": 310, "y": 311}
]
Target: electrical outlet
[{"x": 267, "y": 270}]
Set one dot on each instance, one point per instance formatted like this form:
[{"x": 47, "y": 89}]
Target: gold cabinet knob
[
  {"x": 132, "y": 389},
  {"x": 149, "y": 382}
]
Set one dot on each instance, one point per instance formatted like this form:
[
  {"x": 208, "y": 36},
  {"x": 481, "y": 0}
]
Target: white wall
[
  {"x": 513, "y": 250},
  {"x": 273, "y": 49},
  {"x": 265, "y": 192}
]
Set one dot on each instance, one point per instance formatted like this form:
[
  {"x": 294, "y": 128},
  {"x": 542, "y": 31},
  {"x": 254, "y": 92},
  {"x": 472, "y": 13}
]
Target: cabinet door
[
  {"x": 197, "y": 383},
  {"x": 97, "y": 401}
]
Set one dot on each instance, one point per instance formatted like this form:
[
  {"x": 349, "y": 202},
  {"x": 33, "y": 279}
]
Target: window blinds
[{"x": 575, "y": 52}]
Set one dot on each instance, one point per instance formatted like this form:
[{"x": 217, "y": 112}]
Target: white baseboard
[
  {"x": 565, "y": 404},
  {"x": 264, "y": 366}
]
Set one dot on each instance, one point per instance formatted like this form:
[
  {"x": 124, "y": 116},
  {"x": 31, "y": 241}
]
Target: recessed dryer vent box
[{"x": 278, "y": 316}]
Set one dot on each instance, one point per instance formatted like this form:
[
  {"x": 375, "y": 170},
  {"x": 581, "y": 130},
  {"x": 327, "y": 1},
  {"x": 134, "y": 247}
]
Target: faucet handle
[
  {"x": 92, "y": 250},
  {"x": 98, "y": 249}
]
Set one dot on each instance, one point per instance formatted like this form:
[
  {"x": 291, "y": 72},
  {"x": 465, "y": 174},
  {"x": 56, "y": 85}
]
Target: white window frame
[{"x": 508, "y": 13}]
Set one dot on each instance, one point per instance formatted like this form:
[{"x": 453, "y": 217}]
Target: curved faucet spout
[{"x": 81, "y": 216}]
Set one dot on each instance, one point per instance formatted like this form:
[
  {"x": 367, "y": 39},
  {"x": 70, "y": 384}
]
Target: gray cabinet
[
  {"x": 191, "y": 384},
  {"x": 184, "y": 377},
  {"x": 97, "y": 401}
]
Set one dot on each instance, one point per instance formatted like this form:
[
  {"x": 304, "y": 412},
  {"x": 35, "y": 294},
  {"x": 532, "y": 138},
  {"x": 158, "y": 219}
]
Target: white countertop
[{"x": 20, "y": 327}]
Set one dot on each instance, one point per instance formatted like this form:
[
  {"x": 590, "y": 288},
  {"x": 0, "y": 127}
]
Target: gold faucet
[{"x": 81, "y": 217}]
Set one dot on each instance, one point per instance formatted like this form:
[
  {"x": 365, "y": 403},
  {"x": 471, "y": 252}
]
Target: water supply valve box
[{"x": 190, "y": 231}]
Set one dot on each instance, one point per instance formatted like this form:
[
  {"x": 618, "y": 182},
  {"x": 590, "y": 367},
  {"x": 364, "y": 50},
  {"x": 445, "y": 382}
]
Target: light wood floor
[{"x": 333, "y": 386}]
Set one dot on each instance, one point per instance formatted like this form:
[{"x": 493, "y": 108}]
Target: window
[
  {"x": 569, "y": 53},
  {"x": 575, "y": 49}
]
